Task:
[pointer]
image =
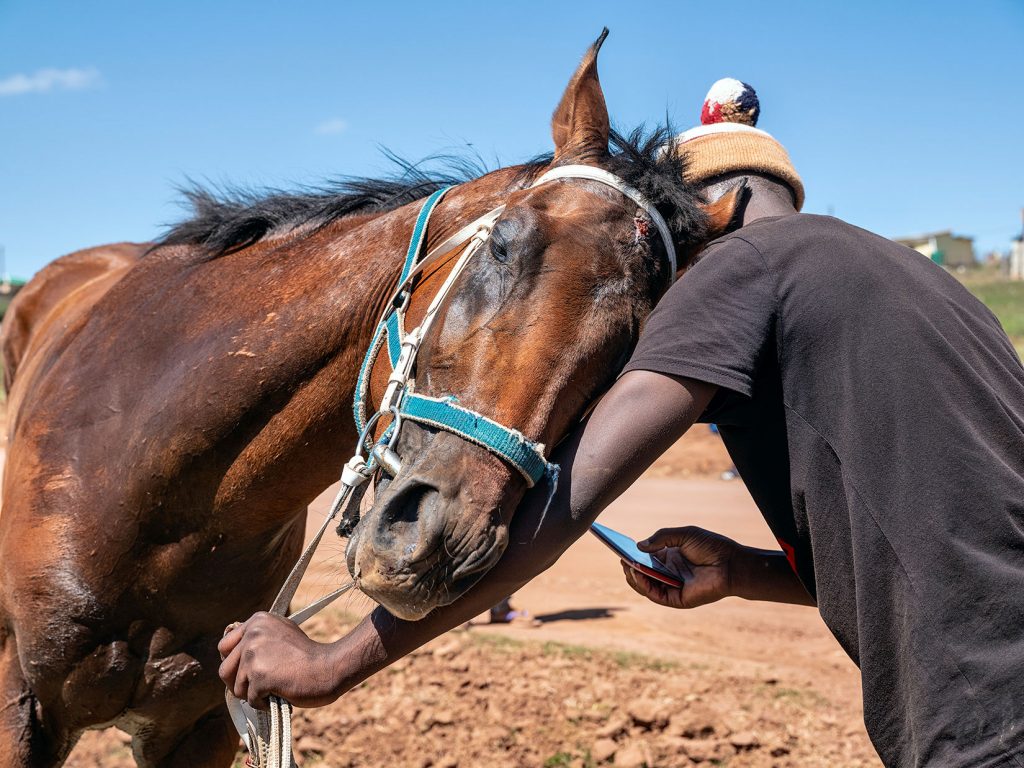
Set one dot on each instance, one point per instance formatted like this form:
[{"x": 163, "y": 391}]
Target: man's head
[{"x": 727, "y": 148}]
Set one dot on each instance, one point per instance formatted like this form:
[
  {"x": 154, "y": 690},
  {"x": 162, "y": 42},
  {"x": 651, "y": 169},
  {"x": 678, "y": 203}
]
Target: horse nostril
[
  {"x": 407, "y": 520},
  {"x": 411, "y": 504}
]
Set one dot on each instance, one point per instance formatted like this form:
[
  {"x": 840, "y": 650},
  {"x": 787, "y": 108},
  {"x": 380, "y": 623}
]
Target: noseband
[{"x": 267, "y": 735}]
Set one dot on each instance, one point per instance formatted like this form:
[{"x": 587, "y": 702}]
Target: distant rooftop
[{"x": 925, "y": 237}]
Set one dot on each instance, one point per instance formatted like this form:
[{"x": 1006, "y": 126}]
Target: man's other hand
[
  {"x": 270, "y": 656},
  {"x": 702, "y": 560}
]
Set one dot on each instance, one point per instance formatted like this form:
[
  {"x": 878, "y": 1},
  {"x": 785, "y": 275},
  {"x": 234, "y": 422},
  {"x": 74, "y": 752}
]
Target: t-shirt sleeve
[{"x": 712, "y": 325}]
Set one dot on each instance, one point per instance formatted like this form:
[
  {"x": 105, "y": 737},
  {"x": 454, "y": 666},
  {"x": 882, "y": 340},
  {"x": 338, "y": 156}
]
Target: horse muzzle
[{"x": 436, "y": 528}]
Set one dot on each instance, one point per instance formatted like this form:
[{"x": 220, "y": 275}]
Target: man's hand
[
  {"x": 712, "y": 567},
  {"x": 702, "y": 560},
  {"x": 269, "y": 655}
]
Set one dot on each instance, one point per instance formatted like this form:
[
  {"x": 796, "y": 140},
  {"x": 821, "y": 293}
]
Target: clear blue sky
[{"x": 901, "y": 117}]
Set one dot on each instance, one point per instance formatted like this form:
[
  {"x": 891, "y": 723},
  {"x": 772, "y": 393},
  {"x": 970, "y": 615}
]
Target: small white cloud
[
  {"x": 331, "y": 127},
  {"x": 45, "y": 80}
]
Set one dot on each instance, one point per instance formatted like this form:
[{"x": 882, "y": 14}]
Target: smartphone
[{"x": 627, "y": 549}]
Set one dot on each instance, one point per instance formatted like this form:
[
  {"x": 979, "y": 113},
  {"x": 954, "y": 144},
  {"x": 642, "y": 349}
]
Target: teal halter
[{"x": 444, "y": 412}]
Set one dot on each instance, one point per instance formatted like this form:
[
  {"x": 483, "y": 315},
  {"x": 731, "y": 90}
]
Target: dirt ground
[{"x": 607, "y": 678}]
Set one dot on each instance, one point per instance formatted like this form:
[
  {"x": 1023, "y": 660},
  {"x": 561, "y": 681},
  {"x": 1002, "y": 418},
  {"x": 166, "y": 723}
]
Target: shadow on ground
[{"x": 577, "y": 614}]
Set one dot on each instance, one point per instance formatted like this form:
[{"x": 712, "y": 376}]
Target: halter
[
  {"x": 268, "y": 736},
  {"x": 443, "y": 412}
]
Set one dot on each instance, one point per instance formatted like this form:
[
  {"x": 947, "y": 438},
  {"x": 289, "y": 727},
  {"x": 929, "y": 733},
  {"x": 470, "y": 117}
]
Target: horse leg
[
  {"x": 29, "y": 737},
  {"x": 210, "y": 742}
]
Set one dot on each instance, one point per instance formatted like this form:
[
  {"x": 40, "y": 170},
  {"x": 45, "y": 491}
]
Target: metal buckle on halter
[
  {"x": 401, "y": 299},
  {"x": 384, "y": 454},
  {"x": 399, "y": 378},
  {"x": 357, "y": 470}
]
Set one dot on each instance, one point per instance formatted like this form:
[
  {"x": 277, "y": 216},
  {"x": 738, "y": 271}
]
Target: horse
[
  {"x": 60, "y": 293},
  {"x": 171, "y": 424}
]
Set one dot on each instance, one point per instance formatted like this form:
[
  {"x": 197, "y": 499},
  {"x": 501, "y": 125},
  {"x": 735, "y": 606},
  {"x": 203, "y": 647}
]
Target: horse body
[
  {"x": 163, "y": 452},
  {"x": 170, "y": 425}
]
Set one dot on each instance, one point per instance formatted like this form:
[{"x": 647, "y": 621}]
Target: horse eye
[
  {"x": 499, "y": 246},
  {"x": 499, "y": 251}
]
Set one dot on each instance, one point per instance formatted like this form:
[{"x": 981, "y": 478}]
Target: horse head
[{"x": 534, "y": 329}]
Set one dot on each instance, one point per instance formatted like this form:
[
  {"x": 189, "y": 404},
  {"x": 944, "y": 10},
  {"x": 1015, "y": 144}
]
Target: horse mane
[{"x": 229, "y": 219}]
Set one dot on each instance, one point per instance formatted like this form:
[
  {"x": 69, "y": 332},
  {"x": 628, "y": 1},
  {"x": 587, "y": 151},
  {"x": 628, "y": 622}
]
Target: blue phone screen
[{"x": 627, "y": 548}]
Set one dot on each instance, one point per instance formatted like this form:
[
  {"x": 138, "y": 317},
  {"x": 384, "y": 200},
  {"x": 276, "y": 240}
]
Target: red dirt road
[{"x": 768, "y": 683}]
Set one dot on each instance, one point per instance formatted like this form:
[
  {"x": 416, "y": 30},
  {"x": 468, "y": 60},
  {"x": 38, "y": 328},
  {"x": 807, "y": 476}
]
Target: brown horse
[
  {"x": 58, "y": 295},
  {"x": 170, "y": 425}
]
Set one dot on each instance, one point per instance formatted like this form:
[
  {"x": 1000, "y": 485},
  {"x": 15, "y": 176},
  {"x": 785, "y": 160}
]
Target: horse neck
[{"x": 342, "y": 278}]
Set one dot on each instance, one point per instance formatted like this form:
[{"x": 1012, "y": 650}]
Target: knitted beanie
[{"x": 727, "y": 140}]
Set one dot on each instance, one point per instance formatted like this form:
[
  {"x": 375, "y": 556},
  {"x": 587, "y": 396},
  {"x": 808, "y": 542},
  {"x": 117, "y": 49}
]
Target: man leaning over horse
[{"x": 875, "y": 411}]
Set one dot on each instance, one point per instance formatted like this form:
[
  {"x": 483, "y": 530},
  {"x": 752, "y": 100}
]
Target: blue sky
[{"x": 901, "y": 117}]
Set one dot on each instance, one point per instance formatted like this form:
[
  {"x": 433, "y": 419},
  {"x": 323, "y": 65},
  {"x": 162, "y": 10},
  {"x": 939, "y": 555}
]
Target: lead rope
[{"x": 268, "y": 736}]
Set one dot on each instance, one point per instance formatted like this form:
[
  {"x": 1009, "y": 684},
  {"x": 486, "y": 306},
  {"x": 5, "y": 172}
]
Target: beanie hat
[{"x": 727, "y": 140}]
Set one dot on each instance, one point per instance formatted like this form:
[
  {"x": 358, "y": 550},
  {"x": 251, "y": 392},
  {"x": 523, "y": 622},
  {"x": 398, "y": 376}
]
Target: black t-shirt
[{"x": 875, "y": 410}]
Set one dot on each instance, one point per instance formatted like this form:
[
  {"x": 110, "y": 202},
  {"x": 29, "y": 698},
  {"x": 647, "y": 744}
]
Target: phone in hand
[{"x": 627, "y": 549}]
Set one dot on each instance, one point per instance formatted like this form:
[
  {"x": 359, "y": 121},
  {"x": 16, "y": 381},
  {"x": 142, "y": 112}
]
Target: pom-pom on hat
[
  {"x": 731, "y": 101},
  {"x": 727, "y": 139}
]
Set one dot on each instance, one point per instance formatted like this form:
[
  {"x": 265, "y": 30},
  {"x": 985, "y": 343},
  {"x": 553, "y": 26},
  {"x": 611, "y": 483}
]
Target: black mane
[{"x": 228, "y": 220}]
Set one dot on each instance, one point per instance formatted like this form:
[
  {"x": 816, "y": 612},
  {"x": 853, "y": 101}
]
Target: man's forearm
[
  {"x": 534, "y": 546},
  {"x": 382, "y": 638},
  {"x": 761, "y": 574},
  {"x": 635, "y": 423}
]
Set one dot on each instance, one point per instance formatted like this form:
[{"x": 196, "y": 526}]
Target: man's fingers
[
  {"x": 257, "y": 696},
  {"x": 257, "y": 692},
  {"x": 232, "y": 635},
  {"x": 667, "y": 537},
  {"x": 241, "y": 685},
  {"x": 229, "y": 668},
  {"x": 631, "y": 578},
  {"x": 643, "y": 585}
]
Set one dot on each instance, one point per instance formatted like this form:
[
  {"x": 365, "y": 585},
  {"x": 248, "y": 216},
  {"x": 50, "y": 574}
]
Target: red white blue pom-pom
[{"x": 730, "y": 101}]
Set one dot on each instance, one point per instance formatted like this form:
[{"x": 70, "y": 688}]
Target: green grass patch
[
  {"x": 630, "y": 660},
  {"x": 566, "y": 650},
  {"x": 562, "y": 759},
  {"x": 1006, "y": 300},
  {"x": 623, "y": 659},
  {"x": 559, "y": 759},
  {"x": 803, "y": 697},
  {"x": 496, "y": 642}
]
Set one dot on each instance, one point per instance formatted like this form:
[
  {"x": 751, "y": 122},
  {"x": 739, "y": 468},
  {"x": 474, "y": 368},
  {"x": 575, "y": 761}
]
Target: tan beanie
[{"x": 727, "y": 140}]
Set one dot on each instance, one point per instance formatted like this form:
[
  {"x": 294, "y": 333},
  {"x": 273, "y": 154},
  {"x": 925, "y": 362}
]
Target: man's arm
[
  {"x": 639, "y": 418},
  {"x": 636, "y": 421}
]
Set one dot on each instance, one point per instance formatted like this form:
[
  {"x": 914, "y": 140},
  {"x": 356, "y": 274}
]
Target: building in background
[
  {"x": 944, "y": 248},
  {"x": 1017, "y": 252}
]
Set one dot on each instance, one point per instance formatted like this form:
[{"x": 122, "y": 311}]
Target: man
[{"x": 874, "y": 409}]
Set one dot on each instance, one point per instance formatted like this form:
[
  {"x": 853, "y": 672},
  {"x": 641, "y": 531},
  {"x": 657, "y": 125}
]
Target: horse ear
[
  {"x": 724, "y": 213},
  {"x": 580, "y": 123}
]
